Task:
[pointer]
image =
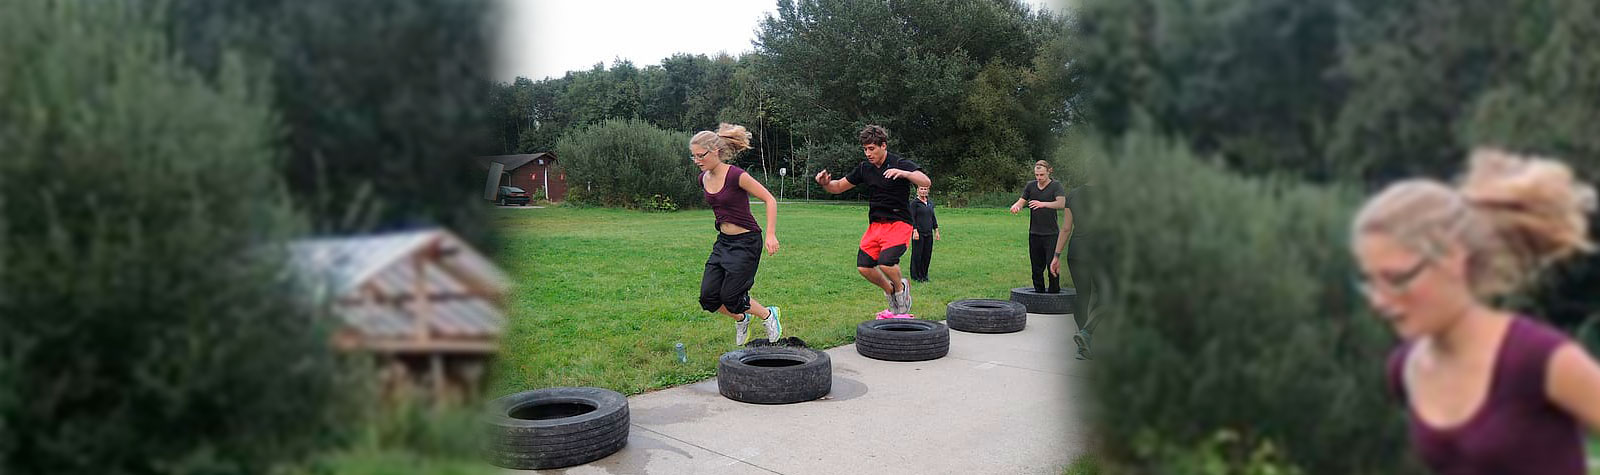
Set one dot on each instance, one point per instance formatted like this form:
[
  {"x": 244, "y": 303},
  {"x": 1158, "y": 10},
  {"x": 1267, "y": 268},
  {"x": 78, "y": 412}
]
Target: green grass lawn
[
  {"x": 603, "y": 294},
  {"x": 1083, "y": 465}
]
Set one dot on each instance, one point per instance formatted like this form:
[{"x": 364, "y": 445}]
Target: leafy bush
[
  {"x": 1225, "y": 453},
  {"x": 1229, "y": 307},
  {"x": 661, "y": 203},
  {"x": 627, "y": 163},
  {"x": 149, "y": 324},
  {"x": 405, "y": 439}
]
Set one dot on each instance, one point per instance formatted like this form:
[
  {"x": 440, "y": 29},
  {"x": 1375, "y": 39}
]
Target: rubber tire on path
[
  {"x": 741, "y": 381},
  {"x": 900, "y": 339},
  {"x": 1036, "y": 302},
  {"x": 986, "y": 316},
  {"x": 558, "y": 440}
]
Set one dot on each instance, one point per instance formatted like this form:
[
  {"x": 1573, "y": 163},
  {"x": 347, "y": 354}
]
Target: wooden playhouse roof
[{"x": 373, "y": 282}]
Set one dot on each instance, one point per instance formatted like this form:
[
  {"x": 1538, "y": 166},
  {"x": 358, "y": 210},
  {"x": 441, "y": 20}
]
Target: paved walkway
[{"x": 997, "y": 404}]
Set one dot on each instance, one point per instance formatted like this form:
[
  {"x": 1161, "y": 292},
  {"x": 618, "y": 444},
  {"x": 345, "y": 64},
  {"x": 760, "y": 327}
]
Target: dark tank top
[
  {"x": 732, "y": 203},
  {"x": 1517, "y": 429}
]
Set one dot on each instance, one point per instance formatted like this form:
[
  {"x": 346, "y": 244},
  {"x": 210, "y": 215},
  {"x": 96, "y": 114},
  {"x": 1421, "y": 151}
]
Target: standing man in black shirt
[
  {"x": 888, "y": 179},
  {"x": 925, "y": 230},
  {"x": 1044, "y": 196}
]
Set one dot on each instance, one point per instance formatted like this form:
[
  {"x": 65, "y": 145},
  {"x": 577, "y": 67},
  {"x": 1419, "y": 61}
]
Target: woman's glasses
[{"x": 1392, "y": 283}]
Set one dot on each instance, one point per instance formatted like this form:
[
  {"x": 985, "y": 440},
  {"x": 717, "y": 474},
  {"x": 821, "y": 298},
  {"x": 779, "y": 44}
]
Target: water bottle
[{"x": 682, "y": 357}]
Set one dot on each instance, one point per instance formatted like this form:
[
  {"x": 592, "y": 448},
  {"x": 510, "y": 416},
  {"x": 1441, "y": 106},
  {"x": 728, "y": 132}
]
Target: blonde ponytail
[
  {"x": 728, "y": 140},
  {"x": 1512, "y": 214}
]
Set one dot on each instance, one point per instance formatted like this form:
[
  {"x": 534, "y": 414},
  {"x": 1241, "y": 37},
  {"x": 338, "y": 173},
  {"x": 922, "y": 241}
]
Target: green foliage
[
  {"x": 389, "y": 462},
  {"x": 150, "y": 324},
  {"x": 416, "y": 428},
  {"x": 660, "y": 203},
  {"x": 1244, "y": 79},
  {"x": 404, "y": 439},
  {"x": 1415, "y": 69},
  {"x": 630, "y": 163},
  {"x": 970, "y": 87},
  {"x": 1085, "y": 465},
  {"x": 381, "y": 102},
  {"x": 685, "y": 92},
  {"x": 1224, "y": 453},
  {"x": 1227, "y": 311},
  {"x": 1358, "y": 89}
]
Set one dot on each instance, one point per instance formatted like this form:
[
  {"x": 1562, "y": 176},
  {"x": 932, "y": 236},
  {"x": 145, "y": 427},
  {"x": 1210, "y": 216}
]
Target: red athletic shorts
[{"x": 883, "y": 244}]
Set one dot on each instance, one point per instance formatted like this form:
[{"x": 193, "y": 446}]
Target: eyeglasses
[
  {"x": 699, "y": 156},
  {"x": 1393, "y": 283}
]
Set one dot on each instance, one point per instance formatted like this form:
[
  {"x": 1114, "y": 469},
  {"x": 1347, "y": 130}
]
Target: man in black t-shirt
[
  {"x": 1044, "y": 196},
  {"x": 888, "y": 179}
]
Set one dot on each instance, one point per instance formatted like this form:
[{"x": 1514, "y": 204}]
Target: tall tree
[
  {"x": 915, "y": 67},
  {"x": 1249, "y": 80},
  {"x": 146, "y": 322},
  {"x": 382, "y": 102}
]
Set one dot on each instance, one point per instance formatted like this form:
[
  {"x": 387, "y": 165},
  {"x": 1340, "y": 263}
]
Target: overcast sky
[{"x": 542, "y": 38}]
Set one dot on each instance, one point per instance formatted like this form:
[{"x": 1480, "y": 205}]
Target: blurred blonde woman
[
  {"x": 731, "y": 269},
  {"x": 1487, "y": 391}
]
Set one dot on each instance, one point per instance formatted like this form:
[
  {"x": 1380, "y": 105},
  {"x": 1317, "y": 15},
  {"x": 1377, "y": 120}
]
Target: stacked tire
[
  {"x": 1044, "y": 302},
  {"x": 556, "y": 427},
  {"x": 986, "y": 316},
  {"x": 902, "y": 340},
  {"x": 774, "y": 375}
]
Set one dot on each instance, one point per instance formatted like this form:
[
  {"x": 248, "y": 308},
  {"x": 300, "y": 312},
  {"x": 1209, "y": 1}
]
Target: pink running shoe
[{"x": 886, "y": 314}]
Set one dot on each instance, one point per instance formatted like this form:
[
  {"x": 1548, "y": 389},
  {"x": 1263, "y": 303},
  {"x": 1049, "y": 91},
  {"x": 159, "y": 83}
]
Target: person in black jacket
[{"x": 925, "y": 230}]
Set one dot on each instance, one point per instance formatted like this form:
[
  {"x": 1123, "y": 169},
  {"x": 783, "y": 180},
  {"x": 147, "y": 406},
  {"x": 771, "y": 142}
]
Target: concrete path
[{"x": 997, "y": 404}]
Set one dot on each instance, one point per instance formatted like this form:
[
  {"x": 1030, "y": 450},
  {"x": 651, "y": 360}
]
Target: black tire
[
  {"x": 986, "y": 316},
  {"x": 902, "y": 340},
  {"x": 1037, "y": 302},
  {"x": 774, "y": 375},
  {"x": 523, "y": 461},
  {"x": 556, "y": 427}
]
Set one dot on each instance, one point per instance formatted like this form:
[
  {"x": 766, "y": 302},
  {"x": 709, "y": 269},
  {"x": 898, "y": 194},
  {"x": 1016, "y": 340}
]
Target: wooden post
[
  {"x": 436, "y": 372},
  {"x": 473, "y": 373},
  {"x": 422, "y": 307}
]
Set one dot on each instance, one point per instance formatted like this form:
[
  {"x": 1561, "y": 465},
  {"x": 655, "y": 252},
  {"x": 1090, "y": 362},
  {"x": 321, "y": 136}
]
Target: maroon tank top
[
  {"x": 731, "y": 204},
  {"x": 1517, "y": 429}
]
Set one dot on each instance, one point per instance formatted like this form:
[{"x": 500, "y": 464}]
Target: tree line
[{"x": 973, "y": 90}]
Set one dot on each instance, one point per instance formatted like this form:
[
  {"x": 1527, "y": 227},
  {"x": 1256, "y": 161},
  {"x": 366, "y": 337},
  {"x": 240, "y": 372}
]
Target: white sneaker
[
  {"x": 741, "y": 331},
  {"x": 894, "y": 303},
  {"x": 905, "y": 296},
  {"x": 774, "y": 327}
]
